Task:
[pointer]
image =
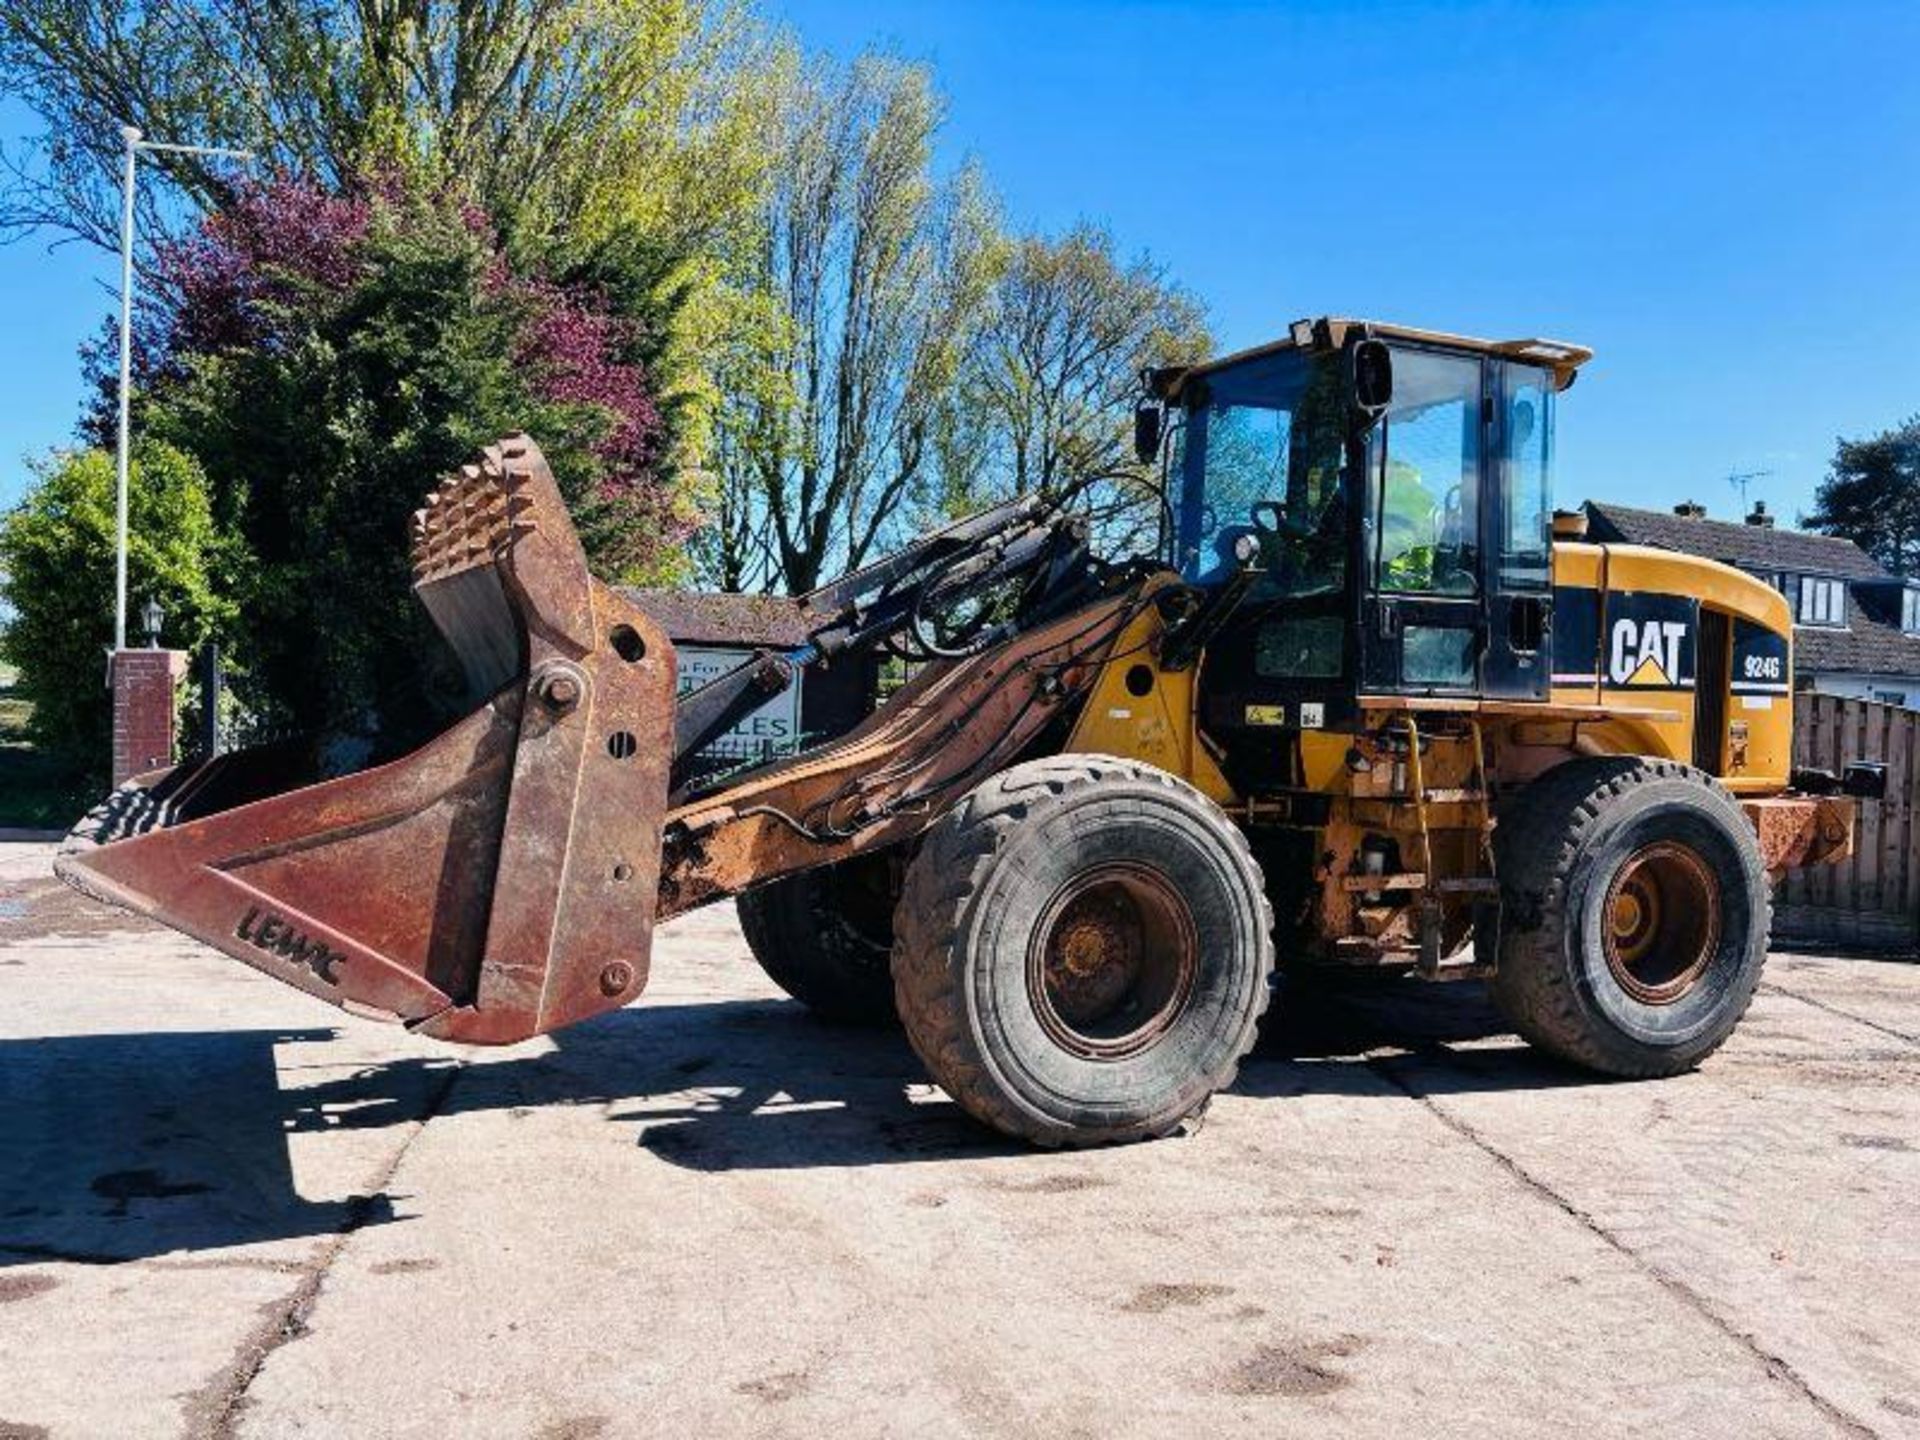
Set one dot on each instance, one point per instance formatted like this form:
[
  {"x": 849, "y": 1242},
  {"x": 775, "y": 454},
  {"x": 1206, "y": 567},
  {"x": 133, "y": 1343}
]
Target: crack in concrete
[
  {"x": 213, "y": 1409},
  {"x": 1774, "y": 987},
  {"x": 1777, "y": 1367}
]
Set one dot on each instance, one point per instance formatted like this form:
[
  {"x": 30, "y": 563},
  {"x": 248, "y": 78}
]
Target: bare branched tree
[
  {"x": 878, "y": 271},
  {"x": 1050, "y": 378}
]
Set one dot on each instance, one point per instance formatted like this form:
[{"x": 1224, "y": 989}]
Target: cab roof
[{"x": 1330, "y": 332}]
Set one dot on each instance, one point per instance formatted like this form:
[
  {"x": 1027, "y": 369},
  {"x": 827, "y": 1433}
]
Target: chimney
[
  {"x": 1760, "y": 516},
  {"x": 1690, "y": 510}
]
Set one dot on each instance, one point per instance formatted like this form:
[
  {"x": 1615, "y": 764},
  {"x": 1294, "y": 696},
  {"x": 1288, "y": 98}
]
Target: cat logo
[{"x": 1646, "y": 652}]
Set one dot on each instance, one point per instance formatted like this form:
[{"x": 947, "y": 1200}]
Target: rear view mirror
[
  {"x": 1147, "y": 417},
  {"x": 1370, "y": 378}
]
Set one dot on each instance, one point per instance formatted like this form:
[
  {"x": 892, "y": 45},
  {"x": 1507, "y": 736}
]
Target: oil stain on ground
[
  {"x": 575, "y": 1427},
  {"x": 1874, "y": 1142},
  {"x": 1292, "y": 1371},
  {"x": 773, "y": 1389},
  {"x": 1049, "y": 1185},
  {"x": 402, "y": 1267},
  {"x": 24, "y": 1287},
  {"x": 1158, "y": 1299}
]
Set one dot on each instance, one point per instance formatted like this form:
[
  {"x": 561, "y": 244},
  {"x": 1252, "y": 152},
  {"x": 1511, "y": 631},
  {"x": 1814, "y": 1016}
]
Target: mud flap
[{"x": 496, "y": 883}]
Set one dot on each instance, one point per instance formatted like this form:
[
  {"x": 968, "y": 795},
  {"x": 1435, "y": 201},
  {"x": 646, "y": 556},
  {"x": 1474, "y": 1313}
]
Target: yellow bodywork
[
  {"x": 1142, "y": 710},
  {"x": 1160, "y": 726},
  {"x": 1754, "y": 748},
  {"x": 1440, "y": 823}
]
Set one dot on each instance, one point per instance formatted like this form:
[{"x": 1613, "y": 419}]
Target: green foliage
[
  {"x": 839, "y": 342},
  {"x": 323, "y": 438},
  {"x": 38, "y": 791},
  {"x": 620, "y": 143},
  {"x": 1871, "y": 496},
  {"x": 56, "y": 556},
  {"x": 553, "y": 114},
  {"x": 1054, "y": 367}
]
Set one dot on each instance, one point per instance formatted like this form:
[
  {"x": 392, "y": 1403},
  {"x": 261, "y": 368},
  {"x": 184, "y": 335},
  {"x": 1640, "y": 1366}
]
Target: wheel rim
[
  {"x": 1661, "y": 922},
  {"x": 1112, "y": 962}
]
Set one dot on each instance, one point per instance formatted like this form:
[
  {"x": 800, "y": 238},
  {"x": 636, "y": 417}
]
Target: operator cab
[{"x": 1390, "y": 491}]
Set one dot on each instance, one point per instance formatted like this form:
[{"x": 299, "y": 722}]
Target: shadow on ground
[{"x": 115, "y": 1147}]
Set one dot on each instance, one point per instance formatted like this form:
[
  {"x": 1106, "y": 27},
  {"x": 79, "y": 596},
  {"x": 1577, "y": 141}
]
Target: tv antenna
[{"x": 1740, "y": 479}]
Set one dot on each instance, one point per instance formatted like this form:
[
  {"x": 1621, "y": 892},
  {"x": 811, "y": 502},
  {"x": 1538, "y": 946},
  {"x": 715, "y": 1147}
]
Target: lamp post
[
  {"x": 135, "y": 144},
  {"x": 153, "y": 617}
]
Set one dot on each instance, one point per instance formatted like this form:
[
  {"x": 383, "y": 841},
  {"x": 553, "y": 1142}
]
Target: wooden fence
[{"x": 1873, "y": 897}]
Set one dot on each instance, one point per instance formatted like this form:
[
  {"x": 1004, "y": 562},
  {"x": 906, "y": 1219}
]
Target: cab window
[
  {"x": 1423, "y": 478},
  {"x": 1526, "y": 431}
]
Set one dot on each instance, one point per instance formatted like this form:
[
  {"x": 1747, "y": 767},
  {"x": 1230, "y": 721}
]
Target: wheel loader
[{"x": 1372, "y": 704}]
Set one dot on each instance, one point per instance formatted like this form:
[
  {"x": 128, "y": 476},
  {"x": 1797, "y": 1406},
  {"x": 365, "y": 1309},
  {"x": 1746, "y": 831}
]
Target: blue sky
[{"x": 1722, "y": 200}]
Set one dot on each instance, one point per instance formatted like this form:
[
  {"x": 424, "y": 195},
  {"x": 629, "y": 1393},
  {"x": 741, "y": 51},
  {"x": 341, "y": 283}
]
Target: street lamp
[
  {"x": 152, "y": 616},
  {"x": 131, "y": 135}
]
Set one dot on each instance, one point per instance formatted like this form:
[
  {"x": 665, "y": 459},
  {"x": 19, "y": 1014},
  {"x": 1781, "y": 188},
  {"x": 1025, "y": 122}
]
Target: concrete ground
[{"x": 228, "y": 1209}]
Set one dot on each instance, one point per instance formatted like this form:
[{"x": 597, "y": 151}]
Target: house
[{"x": 1856, "y": 627}]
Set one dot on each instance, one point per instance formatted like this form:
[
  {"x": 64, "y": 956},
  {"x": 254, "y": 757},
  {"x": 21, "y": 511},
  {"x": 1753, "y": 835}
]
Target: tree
[
  {"x": 871, "y": 271},
  {"x": 1871, "y": 496},
  {"x": 326, "y": 358},
  {"x": 613, "y": 143},
  {"x": 1046, "y": 394},
  {"x": 548, "y": 112},
  {"x": 56, "y": 572}
]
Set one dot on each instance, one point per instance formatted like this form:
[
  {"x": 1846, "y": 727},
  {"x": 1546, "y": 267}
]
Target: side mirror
[
  {"x": 1865, "y": 780},
  {"x": 1370, "y": 378},
  {"x": 1147, "y": 420}
]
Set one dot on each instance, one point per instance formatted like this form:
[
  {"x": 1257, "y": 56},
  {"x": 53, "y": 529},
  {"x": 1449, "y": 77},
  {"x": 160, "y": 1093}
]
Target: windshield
[{"x": 1262, "y": 456}]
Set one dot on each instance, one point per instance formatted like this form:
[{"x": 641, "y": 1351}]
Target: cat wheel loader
[{"x": 1371, "y": 705}]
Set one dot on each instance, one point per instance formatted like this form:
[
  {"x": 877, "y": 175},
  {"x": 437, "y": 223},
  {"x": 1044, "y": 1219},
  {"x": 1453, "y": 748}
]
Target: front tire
[
  {"x": 1635, "y": 913},
  {"x": 1082, "y": 951}
]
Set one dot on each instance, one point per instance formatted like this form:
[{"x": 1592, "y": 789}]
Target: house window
[
  {"x": 1910, "y": 610},
  {"x": 1822, "y": 602}
]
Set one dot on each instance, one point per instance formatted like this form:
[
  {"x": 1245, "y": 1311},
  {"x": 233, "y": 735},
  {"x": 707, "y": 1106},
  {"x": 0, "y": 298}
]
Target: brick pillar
[{"x": 143, "y": 709}]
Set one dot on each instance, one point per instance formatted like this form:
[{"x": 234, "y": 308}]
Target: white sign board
[{"x": 773, "y": 729}]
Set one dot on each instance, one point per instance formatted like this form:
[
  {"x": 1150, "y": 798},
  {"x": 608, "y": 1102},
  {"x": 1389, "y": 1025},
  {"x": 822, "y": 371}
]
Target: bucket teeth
[{"x": 476, "y": 513}]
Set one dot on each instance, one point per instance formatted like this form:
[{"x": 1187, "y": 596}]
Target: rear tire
[
  {"x": 1082, "y": 951},
  {"x": 1635, "y": 912},
  {"x": 825, "y": 937}
]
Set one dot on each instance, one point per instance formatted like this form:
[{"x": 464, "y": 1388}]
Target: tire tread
[
  {"x": 944, "y": 880},
  {"x": 1539, "y": 843}
]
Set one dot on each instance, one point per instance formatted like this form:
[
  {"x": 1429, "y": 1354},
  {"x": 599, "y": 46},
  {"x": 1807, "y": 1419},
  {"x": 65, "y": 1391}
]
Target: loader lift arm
[{"x": 504, "y": 879}]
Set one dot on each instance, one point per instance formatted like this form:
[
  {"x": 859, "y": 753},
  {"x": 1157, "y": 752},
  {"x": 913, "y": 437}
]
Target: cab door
[
  {"x": 1457, "y": 539},
  {"x": 1423, "y": 622},
  {"x": 1517, "y": 533}
]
